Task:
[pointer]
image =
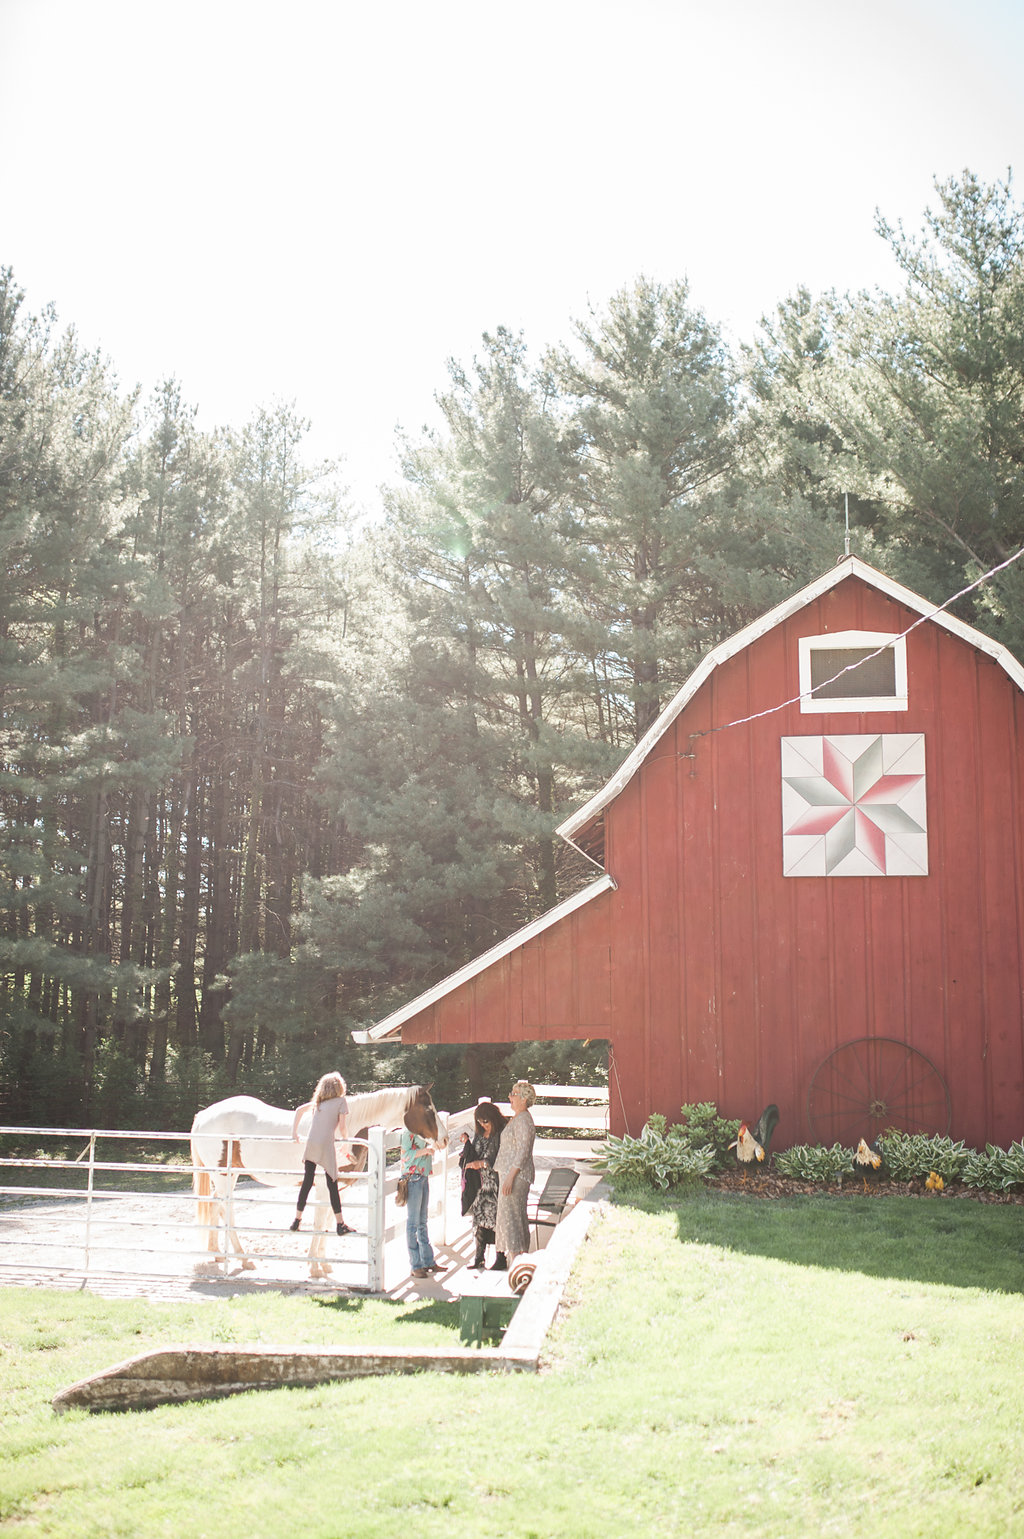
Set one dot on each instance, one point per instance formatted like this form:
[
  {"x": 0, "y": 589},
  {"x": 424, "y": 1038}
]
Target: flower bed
[
  {"x": 771, "y": 1184},
  {"x": 696, "y": 1151}
]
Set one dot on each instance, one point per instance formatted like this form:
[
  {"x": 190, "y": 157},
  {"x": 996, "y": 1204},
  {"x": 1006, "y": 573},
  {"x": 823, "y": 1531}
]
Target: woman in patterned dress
[
  {"x": 514, "y": 1166},
  {"x": 479, "y": 1154}
]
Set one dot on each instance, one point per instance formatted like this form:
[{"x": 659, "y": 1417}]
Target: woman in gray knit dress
[
  {"x": 515, "y": 1173},
  {"x": 330, "y": 1121}
]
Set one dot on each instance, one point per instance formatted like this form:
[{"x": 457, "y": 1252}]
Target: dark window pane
[{"x": 867, "y": 679}]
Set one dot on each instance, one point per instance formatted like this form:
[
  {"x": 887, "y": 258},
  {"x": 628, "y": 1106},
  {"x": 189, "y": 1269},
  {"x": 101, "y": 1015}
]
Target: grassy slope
[{"x": 726, "y": 1366}]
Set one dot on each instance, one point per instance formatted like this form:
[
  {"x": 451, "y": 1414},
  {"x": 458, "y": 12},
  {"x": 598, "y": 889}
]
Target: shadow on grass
[
  {"x": 428, "y": 1312},
  {"x": 950, "y": 1241}
]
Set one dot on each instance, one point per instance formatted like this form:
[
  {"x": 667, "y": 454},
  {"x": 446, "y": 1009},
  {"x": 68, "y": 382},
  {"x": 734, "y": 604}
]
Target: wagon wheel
[{"x": 872, "y": 1084}]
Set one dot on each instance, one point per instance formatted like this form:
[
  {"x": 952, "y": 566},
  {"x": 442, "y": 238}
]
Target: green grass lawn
[{"x": 724, "y": 1366}]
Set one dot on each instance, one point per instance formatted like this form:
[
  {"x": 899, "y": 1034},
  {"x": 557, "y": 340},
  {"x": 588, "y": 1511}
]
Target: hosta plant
[
  {"x": 915, "y": 1156},
  {"x": 655, "y": 1159},
  {"x": 813, "y": 1162},
  {"x": 995, "y": 1170}
]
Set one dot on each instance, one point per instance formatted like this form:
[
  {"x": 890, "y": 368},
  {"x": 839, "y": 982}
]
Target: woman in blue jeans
[{"x": 417, "y": 1163}]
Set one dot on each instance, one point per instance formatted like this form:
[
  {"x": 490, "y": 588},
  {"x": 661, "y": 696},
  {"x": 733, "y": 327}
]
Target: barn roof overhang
[
  {"x": 390, "y": 1029},
  {"x": 584, "y": 829}
]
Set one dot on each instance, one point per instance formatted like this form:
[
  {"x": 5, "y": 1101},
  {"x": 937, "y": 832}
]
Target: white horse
[{"x": 245, "y": 1136}]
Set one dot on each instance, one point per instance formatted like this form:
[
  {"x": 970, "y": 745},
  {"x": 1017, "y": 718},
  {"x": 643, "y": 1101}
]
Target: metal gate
[{"x": 90, "y": 1213}]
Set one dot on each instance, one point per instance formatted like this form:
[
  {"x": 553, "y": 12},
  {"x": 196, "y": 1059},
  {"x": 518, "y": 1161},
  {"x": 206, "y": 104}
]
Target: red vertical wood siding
[{"x": 717, "y": 978}]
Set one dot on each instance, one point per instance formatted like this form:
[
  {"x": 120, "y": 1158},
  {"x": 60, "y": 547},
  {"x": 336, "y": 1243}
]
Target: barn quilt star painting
[{"x": 854, "y": 806}]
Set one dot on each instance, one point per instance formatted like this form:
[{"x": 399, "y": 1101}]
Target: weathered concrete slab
[{"x": 172, "y": 1374}]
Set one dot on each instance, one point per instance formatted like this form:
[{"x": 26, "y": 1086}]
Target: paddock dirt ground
[{"x": 151, "y": 1246}]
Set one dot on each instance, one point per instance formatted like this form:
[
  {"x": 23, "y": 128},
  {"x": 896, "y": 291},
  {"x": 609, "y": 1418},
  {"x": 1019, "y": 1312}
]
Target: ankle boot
[
  {"x": 481, "y": 1252},
  {"x": 500, "y": 1262}
]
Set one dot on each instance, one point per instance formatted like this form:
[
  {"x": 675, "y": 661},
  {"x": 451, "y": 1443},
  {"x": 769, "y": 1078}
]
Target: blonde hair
[
  {"x": 529, "y": 1094},
  {"x": 329, "y": 1088}
]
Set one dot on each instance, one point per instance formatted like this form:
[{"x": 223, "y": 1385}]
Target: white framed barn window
[{"x": 853, "y": 671}]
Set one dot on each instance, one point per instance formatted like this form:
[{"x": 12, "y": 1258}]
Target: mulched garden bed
[{"x": 770, "y": 1185}]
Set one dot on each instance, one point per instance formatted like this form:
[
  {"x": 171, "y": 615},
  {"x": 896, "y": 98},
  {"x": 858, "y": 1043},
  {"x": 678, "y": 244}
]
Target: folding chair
[{"x": 549, "y": 1204}]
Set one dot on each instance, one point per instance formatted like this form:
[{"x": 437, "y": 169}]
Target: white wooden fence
[
  {"x": 51, "y": 1229},
  {"x": 86, "y": 1220}
]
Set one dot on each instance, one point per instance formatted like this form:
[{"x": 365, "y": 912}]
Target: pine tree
[
  {"x": 74, "y": 745},
  {"x": 654, "y": 396},
  {"x": 929, "y": 397}
]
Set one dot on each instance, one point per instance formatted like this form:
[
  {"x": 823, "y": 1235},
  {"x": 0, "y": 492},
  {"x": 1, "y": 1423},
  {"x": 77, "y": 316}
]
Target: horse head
[{"x": 421, "y": 1118}]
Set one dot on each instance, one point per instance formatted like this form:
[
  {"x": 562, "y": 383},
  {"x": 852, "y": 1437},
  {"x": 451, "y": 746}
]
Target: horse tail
[
  {"x": 202, "y": 1190},
  {"x": 357, "y": 1160}
]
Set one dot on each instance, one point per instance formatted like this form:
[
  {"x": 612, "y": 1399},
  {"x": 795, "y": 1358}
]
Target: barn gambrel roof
[
  {"x": 574, "y": 828},
  {"x": 583, "y": 828}
]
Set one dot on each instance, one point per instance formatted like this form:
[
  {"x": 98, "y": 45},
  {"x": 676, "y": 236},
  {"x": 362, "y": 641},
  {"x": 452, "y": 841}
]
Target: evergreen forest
[{"x": 268, "y": 771}]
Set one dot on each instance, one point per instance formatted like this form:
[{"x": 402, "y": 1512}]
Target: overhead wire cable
[{"x": 741, "y": 721}]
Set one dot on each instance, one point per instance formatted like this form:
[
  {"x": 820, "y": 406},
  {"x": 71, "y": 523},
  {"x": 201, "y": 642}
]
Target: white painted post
[
  {"x": 88, "y": 1197},
  {"x": 442, "y": 1118},
  {"x": 229, "y": 1212},
  {"x": 376, "y": 1170}
]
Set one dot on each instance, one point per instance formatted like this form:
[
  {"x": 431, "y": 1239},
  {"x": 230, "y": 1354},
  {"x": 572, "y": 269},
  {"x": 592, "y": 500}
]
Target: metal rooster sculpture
[
  {"x": 752, "y": 1147},
  {"x": 869, "y": 1162}
]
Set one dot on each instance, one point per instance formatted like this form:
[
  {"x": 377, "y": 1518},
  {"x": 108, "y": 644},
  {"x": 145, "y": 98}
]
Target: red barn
[{"x": 813, "y": 887}]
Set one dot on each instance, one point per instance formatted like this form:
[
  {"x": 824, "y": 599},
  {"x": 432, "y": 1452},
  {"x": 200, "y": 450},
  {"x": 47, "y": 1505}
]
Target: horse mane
[
  {"x": 379, "y": 1106},
  {"x": 245, "y": 1117}
]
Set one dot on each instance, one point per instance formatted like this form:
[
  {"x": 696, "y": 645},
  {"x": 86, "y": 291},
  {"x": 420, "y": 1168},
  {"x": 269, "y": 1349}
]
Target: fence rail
[
  {"x": 366, "y": 1194},
  {"x": 86, "y": 1233}
]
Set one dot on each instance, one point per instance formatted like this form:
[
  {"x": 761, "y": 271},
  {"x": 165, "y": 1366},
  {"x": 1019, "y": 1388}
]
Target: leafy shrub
[
  {"x": 702, "y": 1128},
  {"x": 910, "y": 1157},
  {"x": 698, "y": 1146},
  {"x": 914, "y": 1156},
  {"x": 995, "y": 1170},
  {"x": 813, "y": 1162},
  {"x": 656, "y": 1159}
]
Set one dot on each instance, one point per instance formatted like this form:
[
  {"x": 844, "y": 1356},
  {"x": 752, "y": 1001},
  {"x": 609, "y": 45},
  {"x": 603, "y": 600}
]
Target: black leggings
[{"x": 307, "y": 1187}]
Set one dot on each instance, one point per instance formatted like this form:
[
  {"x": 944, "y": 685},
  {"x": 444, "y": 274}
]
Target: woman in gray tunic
[
  {"x": 515, "y": 1172},
  {"x": 330, "y": 1121}
]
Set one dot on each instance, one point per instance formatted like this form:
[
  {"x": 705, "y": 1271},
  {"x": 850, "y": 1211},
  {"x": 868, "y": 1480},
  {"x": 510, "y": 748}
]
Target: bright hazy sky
[{"x": 322, "y": 202}]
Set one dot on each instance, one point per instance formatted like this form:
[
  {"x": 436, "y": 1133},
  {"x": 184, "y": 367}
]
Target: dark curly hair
[{"x": 488, "y": 1112}]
